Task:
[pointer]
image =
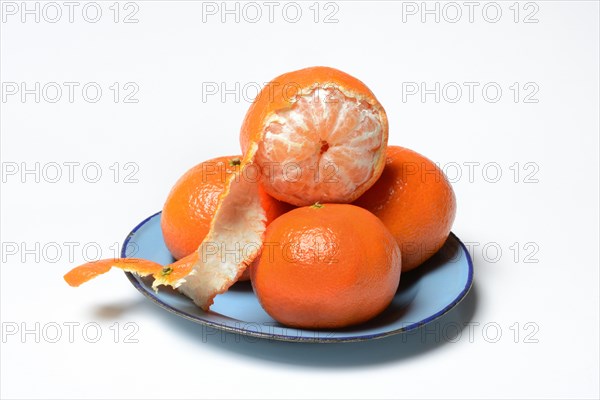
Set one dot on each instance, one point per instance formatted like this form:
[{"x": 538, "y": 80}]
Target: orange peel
[
  {"x": 169, "y": 275},
  {"x": 233, "y": 241}
]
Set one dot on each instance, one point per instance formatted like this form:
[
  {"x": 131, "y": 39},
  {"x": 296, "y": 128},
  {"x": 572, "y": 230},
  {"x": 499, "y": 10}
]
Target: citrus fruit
[
  {"x": 416, "y": 203},
  {"x": 321, "y": 136},
  {"x": 329, "y": 128},
  {"x": 191, "y": 204},
  {"x": 326, "y": 266}
]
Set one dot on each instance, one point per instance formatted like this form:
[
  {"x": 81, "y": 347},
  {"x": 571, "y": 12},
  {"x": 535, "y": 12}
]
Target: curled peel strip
[
  {"x": 169, "y": 275},
  {"x": 239, "y": 222},
  {"x": 238, "y": 225}
]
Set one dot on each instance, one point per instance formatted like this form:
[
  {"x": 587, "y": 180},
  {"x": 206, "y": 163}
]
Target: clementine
[
  {"x": 416, "y": 203},
  {"x": 321, "y": 136},
  {"x": 326, "y": 266}
]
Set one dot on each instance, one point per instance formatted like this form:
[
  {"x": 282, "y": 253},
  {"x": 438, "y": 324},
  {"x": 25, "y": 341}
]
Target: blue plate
[{"x": 424, "y": 294}]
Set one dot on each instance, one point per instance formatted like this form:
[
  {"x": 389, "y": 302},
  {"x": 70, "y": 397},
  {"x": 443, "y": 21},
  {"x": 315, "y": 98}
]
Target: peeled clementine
[
  {"x": 321, "y": 136},
  {"x": 326, "y": 266},
  {"x": 416, "y": 203}
]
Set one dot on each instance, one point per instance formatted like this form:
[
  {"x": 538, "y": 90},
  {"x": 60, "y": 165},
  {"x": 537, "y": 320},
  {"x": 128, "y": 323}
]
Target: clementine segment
[
  {"x": 416, "y": 203},
  {"x": 326, "y": 266}
]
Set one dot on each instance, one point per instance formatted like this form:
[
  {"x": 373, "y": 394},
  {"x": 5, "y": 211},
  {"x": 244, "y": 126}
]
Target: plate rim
[{"x": 287, "y": 338}]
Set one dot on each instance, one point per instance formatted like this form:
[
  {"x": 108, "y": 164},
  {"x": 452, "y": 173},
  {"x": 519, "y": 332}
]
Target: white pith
[
  {"x": 352, "y": 130},
  {"x": 232, "y": 243}
]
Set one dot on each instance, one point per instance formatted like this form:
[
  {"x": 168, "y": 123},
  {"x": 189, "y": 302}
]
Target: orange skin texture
[
  {"x": 192, "y": 202},
  {"x": 168, "y": 274},
  {"x": 326, "y": 267},
  {"x": 416, "y": 203},
  {"x": 278, "y": 95}
]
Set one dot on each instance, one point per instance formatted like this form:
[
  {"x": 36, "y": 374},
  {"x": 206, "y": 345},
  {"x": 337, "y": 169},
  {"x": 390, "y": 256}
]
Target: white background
[{"x": 550, "y": 208}]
